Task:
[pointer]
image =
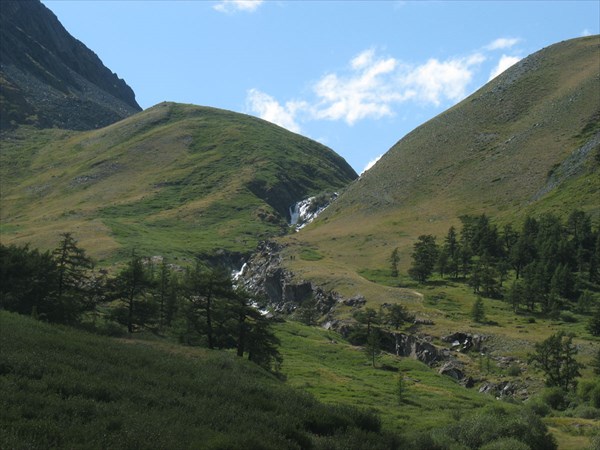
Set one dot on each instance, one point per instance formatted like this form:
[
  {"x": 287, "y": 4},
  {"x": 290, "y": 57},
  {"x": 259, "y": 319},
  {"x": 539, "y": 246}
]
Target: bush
[
  {"x": 568, "y": 317},
  {"x": 585, "y": 387},
  {"x": 514, "y": 370},
  {"x": 538, "y": 408},
  {"x": 555, "y": 398},
  {"x": 505, "y": 444},
  {"x": 496, "y": 424},
  {"x": 595, "y": 396},
  {"x": 585, "y": 412}
]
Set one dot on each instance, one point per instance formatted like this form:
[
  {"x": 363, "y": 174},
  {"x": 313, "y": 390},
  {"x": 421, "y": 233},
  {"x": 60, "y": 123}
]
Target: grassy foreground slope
[
  {"x": 527, "y": 142},
  {"x": 61, "y": 388},
  {"x": 174, "y": 180}
]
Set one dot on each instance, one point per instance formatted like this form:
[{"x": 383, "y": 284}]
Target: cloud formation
[
  {"x": 502, "y": 43},
  {"x": 267, "y": 108},
  {"x": 373, "y": 85},
  {"x": 504, "y": 63},
  {"x": 232, "y": 6},
  {"x": 436, "y": 80},
  {"x": 585, "y": 33},
  {"x": 371, "y": 163}
]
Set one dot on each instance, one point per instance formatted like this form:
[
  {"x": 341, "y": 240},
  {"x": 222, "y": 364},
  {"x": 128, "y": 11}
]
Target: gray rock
[{"x": 452, "y": 369}]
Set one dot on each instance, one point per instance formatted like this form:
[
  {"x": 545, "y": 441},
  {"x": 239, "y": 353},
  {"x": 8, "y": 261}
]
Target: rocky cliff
[{"x": 50, "y": 79}]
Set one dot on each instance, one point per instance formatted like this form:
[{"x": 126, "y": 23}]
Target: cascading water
[{"x": 305, "y": 211}]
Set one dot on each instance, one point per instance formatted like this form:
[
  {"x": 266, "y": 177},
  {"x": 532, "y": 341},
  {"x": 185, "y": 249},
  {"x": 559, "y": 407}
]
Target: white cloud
[
  {"x": 586, "y": 32},
  {"x": 232, "y": 6},
  {"x": 268, "y": 108},
  {"x": 371, "y": 164},
  {"x": 371, "y": 87},
  {"x": 502, "y": 43},
  {"x": 437, "y": 80},
  {"x": 504, "y": 63},
  {"x": 374, "y": 84},
  {"x": 364, "y": 92}
]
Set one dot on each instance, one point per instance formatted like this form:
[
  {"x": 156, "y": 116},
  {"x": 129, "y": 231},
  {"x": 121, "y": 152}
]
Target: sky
[{"x": 354, "y": 75}]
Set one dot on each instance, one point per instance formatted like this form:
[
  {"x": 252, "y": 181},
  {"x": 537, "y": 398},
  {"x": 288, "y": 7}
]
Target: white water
[
  {"x": 236, "y": 274},
  {"x": 300, "y": 215}
]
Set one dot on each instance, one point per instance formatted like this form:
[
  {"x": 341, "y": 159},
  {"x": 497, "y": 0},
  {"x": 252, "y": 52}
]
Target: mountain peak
[{"x": 50, "y": 79}]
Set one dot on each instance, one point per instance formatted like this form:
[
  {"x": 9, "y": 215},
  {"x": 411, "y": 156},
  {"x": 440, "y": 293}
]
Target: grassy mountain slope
[
  {"x": 527, "y": 142},
  {"x": 173, "y": 180},
  {"x": 63, "y": 388}
]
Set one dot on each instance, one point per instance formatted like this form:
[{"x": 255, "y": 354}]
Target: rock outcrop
[
  {"x": 50, "y": 79},
  {"x": 464, "y": 342}
]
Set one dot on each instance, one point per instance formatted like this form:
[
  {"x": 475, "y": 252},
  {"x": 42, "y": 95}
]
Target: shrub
[
  {"x": 505, "y": 444},
  {"x": 554, "y": 397},
  {"x": 595, "y": 396},
  {"x": 538, "y": 407},
  {"x": 568, "y": 317},
  {"x": 586, "y": 412},
  {"x": 497, "y": 423},
  {"x": 514, "y": 370},
  {"x": 585, "y": 388}
]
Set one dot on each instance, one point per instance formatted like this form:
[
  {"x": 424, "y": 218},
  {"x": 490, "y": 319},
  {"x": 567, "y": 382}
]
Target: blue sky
[{"x": 354, "y": 75}]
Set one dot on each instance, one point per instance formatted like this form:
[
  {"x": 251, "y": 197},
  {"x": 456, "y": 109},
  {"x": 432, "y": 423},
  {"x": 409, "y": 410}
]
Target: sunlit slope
[
  {"x": 172, "y": 180},
  {"x": 525, "y": 143}
]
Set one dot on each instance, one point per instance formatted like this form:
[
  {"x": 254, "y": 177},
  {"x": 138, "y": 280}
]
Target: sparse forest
[
  {"x": 545, "y": 266},
  {"x": 197, "y": 305}
]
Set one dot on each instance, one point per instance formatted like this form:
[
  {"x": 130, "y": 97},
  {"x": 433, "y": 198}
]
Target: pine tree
[
  {"x": 131, "y": 285},
  {"x": 373, "y": 346},
  {"x": 72, "y": 266},
  {"x": 400, "y": 389},
  {"x": 397, "y": 315},
  {"x": 478, "y": 311},
  {"x": 556, "y": 357},
  {"x": 594, "y": 323},
  {"x": 394, "y": 260},
  {"x": 424, "y": 258}
]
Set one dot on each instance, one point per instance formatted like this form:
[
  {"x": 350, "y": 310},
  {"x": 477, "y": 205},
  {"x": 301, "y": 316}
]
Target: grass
[
  {"x": 62, "y": 388},
  {"x": 177, "y": 180},
  {"x": 324, "y": 364}
]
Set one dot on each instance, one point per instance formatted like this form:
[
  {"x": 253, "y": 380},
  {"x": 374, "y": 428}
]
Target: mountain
[
  {"x": 50, "y": 79},
  {"x": 172, "y": 180},
  {"x": 527, "y": 142}
]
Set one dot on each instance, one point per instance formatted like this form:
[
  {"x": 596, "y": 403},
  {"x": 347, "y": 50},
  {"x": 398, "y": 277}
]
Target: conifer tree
[
  {"x": 72, "y": 266},
  {"x": 478, "y": 311},
  {"x": 556, "y": 358},
  {"x": 394, "y": 260},
  {"x": 424, "y": 258}
]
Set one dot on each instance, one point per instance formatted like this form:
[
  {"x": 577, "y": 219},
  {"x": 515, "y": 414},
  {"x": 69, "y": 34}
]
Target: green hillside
[
  {"x": 175, "y": 180},
  {"x": 63, "y": 388},
  {"x": 527, "y": 142}
]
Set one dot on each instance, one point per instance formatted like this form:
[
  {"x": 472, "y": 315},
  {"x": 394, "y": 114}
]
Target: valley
[{"x": 187, "y": 276}]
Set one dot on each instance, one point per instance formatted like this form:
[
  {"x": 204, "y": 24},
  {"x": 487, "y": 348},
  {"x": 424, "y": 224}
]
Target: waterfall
[
  {"x": 304, "y": 212},
  {"x": 294, "y": 213}
]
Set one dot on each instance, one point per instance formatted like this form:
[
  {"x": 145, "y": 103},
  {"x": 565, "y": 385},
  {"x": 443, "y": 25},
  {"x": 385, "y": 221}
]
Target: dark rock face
[
  {"x": 452, "y": 369},
  {"x": 263, "y": 275},
  {"x": 50, "y": 79},
  {"x": 464, "y": 342},
  {"x": 417, "y": 348}
]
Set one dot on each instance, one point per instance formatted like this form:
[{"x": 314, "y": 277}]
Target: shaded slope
[
  {"x": 60, "y": 388},
  {"x": 175, "y": 179},
  {"x": 48, "y": 78}
]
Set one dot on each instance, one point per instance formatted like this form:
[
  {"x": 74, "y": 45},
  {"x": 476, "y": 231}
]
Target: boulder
[{"x": 452, "y": 369}]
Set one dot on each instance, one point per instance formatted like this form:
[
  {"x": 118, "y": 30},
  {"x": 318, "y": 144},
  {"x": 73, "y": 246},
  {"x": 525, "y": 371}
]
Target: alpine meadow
[{"x": 186, "y": 276}]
